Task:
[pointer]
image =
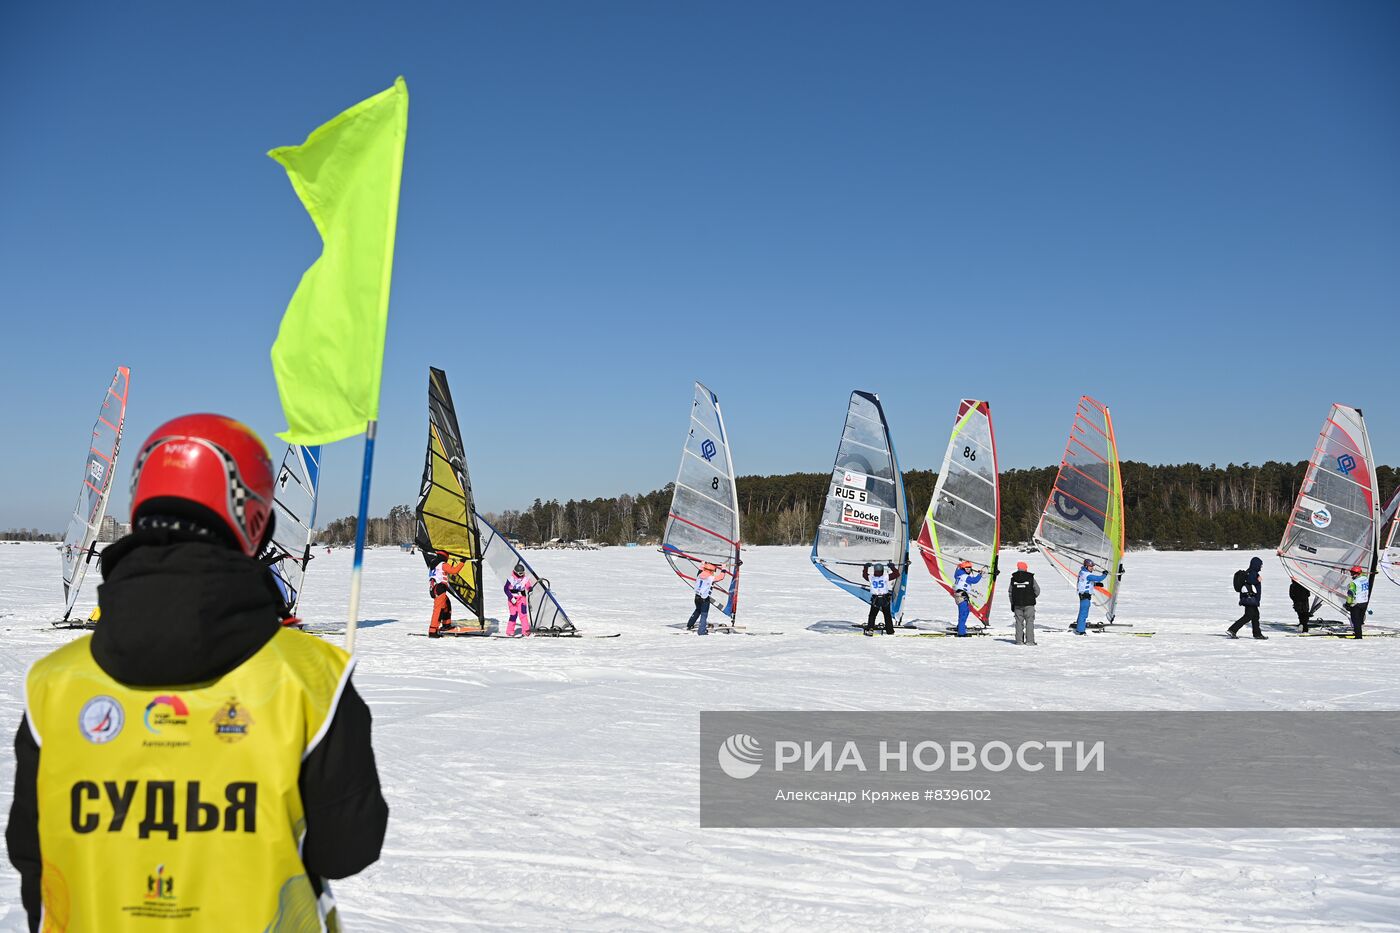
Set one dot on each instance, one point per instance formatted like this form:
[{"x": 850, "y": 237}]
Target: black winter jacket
[
  {"x": 176, "y": 610},
  {"x": 1249, "y": 593}
]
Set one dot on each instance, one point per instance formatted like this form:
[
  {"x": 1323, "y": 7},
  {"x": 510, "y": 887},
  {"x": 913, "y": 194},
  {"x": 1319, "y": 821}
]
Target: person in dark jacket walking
[
  {"x": 1024, "y": 591},
  {"x": 1249, "y": 599},
  {"x": 193, "y": 750},
  {"x": 1302, "y": 599}
]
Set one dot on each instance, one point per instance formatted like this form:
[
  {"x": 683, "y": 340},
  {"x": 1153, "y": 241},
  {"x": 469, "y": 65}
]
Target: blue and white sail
[
  {"x": 703, "y": 524},
  {"x": 865, "y": 519},
  {"x": 547, "y": 617},
  {"x": 294, "y": 502}
]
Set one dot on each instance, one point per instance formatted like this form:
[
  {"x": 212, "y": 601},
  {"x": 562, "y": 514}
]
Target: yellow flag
[{"x": 329, "y": 353}]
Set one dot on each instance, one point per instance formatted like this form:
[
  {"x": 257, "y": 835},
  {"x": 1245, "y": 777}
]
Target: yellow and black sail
[{"x": 446, "y": 517}]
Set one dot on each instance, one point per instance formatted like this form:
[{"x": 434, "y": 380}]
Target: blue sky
[{"x": 1190, "y": 211}]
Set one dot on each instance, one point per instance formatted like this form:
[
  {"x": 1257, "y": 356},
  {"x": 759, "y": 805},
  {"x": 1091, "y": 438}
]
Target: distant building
[{"x": 112, "y": 530}]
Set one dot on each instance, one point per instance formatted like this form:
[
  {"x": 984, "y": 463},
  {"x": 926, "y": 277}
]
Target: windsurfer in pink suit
[{"x": 518, "y": 596}]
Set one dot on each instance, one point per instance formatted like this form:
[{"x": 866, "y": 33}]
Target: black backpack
[{"x": 1241, "y": 578}]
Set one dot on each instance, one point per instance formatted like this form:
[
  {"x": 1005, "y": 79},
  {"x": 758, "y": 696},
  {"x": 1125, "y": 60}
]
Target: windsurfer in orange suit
[{"x": 437, "y": 588}]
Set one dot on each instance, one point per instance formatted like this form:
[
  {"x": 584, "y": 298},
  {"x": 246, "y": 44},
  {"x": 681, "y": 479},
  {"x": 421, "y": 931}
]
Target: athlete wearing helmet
[
  {"x": 440, "y": 569},
  {"x": 250, "y": 740},
  {"x": 1358, "y": 598},
  {"x": 882, "y": 588},
  {"x": 963, "y": 582},
  {"x": 1087, "y": 583},
  {"x": 706, "y": 577},
  {"x": 518, "y": 599}
]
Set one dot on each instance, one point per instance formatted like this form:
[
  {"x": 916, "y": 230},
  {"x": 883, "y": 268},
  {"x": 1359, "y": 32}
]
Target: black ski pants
[
  {"x": 1251, "y": 616},
  {"x": 879, "y": 604}
]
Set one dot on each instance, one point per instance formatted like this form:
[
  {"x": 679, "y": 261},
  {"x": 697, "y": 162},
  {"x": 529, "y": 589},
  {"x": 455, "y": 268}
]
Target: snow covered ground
[{"x": 552, "y": 784}]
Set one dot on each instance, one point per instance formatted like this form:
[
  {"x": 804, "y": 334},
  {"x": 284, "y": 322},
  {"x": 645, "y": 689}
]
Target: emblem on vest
[
  {"x": 231, "y": 722},
  {"x": 101, "y": 720},
  {"x": 166, "y": 710},
  {"x": 160, "y": 886}
]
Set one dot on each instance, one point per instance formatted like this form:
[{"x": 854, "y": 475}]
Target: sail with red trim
[
  {"x": 1083, "y": 515},
  {"x": 1390, "y": 547},
  {"x": 79, "y": 544},
  {"x": 1335, "y": 523},
  {"x": 703, "y": 524},
  {"x": 865, "y": 519},
  {"x": 963, "y": 522}
]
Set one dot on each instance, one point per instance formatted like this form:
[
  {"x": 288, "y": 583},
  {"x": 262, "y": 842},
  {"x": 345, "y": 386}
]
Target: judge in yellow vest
[{"x": 193, "y": 765}]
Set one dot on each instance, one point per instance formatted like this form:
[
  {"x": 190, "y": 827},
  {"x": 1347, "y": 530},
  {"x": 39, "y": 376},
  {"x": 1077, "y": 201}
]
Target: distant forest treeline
[{"x": 1170, "y": 507}]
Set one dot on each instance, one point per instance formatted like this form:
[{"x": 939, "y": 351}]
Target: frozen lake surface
[{"x": 551, "y": 784}]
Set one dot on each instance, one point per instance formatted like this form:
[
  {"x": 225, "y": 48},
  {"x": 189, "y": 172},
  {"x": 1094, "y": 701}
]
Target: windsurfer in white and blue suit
[
  {"x": 705, "y": 581},
  {"x": 963, "y": 581},
  {"x": 1088, "y": 580},
  {"x": 881, "y": 593}
]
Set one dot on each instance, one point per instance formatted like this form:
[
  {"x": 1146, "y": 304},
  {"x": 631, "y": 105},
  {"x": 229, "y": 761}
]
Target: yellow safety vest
[{"x": 177, "y": 808}]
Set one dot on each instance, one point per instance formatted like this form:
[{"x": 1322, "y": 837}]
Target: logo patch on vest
[
  {"x": 101, "y": 720},
  {"x": 231, "y": 722},
  {"x": 166, "y": 710}
]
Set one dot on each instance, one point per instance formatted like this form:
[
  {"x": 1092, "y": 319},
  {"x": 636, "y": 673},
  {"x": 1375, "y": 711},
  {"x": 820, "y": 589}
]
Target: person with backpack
[
  {"x": 1358, "y": 599},
  {"x": 1024, "y": 591},
  {"x": 1248, "y": 585},
  {"x": 881, "y": 594},
  {"x": 1302, "y": 599},
  {"x": 193, "y": 764}
]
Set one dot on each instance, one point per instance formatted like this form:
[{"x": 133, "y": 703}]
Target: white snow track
[{"x": 548, "y": 784}]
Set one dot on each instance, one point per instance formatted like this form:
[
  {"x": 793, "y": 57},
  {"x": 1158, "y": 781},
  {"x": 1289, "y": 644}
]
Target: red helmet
[
  {"x": 204, "y": 467},
  {"x": 1357, "y": 570}
]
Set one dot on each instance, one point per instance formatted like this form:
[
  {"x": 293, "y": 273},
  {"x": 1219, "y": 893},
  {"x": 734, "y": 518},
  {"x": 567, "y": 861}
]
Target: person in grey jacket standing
[{"x": 1024, "y": 590}]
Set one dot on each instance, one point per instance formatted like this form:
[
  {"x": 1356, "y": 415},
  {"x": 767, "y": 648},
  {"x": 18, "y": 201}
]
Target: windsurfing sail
[
  {"x": 547, "y": 617},
  {"x": 964, "y": 516},
  {"x": 865, "y": 519},
  {"x": 294, "y": 503},
  {"x": 79, "y": 544},
  {"x": 1335, "y": 524},
  {"x": 1390, "y": 554},
  {"x": 703, "y": 524},
  {"x": 445, "y": 515},
  {"x": 1083, "y": 516}
]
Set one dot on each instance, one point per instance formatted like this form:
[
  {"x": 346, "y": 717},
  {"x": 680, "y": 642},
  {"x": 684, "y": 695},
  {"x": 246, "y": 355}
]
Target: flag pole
[{"x": 360, "y": 524}]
